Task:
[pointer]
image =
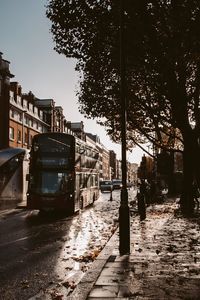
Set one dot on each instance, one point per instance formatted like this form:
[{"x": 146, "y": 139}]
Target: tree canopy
[
  {"x": 162, "y": 46},
  {"x": 162, "y": 61}
]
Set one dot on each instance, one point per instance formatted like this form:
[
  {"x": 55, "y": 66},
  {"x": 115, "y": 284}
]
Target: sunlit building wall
[{"x": 25, "y": 118}]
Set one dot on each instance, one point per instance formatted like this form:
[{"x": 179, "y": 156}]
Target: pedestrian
[
  {"x": 143, "y": 187},
  {"x": 195, "y": 194},
  {"x": 148, "y": 195},
  {"x": 141, "y": 206},
  {"x": 145, "y": 191}
]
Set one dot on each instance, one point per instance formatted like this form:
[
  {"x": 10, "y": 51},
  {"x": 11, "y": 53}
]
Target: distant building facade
[
  {"x": 78, "y": 129},
  {"x": 106, "y": 174},
  {"x": 132, "y": 173},
  {"x": 53, "y": 115}
]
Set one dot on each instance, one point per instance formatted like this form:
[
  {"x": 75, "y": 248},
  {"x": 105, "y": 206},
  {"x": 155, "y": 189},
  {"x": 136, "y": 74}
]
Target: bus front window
[{"x": 51, "y": 183}]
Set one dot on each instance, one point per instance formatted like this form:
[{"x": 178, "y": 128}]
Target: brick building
[
  {"x": 26, "y": 119},
  {"x": 5, "y": 76}
]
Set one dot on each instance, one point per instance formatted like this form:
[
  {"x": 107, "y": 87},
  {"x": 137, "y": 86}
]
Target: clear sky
[{"x": 26, "y": 42}]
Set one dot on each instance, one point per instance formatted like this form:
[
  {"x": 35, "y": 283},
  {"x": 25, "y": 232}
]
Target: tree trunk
[
  {"x": 190, "y": 170},
  {"x": 170, "y": 177}
]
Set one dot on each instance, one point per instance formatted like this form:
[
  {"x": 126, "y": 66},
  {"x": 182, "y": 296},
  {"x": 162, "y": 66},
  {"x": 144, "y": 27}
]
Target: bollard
[{"x": 111, "y": 198}]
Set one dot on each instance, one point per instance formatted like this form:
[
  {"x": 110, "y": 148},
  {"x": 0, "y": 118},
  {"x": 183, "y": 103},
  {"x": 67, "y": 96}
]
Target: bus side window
[
  {"x": 91, "y": 180},
  {"x": 85, "y": 180},
  {"x": 81, "y": 180},
  {"x": 96, "y": 180}
]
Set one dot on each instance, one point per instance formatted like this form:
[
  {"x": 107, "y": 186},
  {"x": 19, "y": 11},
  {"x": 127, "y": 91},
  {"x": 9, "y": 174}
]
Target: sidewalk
[
  {"x": 12, "y": 209},
  {"x": 164, "y": 262}
]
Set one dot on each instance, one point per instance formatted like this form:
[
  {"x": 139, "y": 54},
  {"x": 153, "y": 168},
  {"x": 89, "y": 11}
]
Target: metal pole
[{"x": 124, "y": 213}]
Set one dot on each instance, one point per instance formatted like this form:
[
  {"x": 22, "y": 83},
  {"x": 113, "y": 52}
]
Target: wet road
[{"x": 38, "y": 251}]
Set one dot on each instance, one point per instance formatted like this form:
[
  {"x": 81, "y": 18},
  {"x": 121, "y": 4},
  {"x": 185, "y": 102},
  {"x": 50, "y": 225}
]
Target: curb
[
  {"x": 90, "y": 277},
  {"x": 88, "y": 280}
]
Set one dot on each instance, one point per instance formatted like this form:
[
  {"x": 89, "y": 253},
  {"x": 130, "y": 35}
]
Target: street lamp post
[{"x": 124, "y": 213}]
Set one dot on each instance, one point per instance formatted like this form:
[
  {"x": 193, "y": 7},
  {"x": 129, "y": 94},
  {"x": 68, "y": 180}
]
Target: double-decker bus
[{"x": 63, "y": 173}]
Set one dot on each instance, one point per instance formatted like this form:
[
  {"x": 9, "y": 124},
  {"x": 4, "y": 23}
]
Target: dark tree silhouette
[{"x": 162, "y": 45}]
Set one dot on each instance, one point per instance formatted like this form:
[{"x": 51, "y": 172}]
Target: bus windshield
[{"x": 51, "y": 182}]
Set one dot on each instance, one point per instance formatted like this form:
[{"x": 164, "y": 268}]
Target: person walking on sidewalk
[
  {"x": 141, "y": 200},
  {"x": 152, "y": 191},
  {"x": 141, "y": 206},
  {"x": 145, "y": 191}
]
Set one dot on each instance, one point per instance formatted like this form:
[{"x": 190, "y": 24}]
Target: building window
[
  {"x": 26, "y": 120},
  {"x": 19, "y": 100},
  {"x": 12, "y": 96},
  {"x": 30, "y": 107},
  {"x": 20, "y": 117},
  {"x": 11, "y": 133},
  {"x": 36, "y": 110},
  {"x": 41, "y": 114},
  {"x": 26, "y": 138},
  {"x": 19, "y": 136},
  {"x": 12, "y": 114},
  {"x": 25, "y": 103}
]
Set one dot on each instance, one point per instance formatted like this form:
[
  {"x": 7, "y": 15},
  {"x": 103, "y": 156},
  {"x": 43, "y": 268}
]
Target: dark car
[
  {"x": 117, "y": 184},
  {"x": 106, "y": 186}
]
